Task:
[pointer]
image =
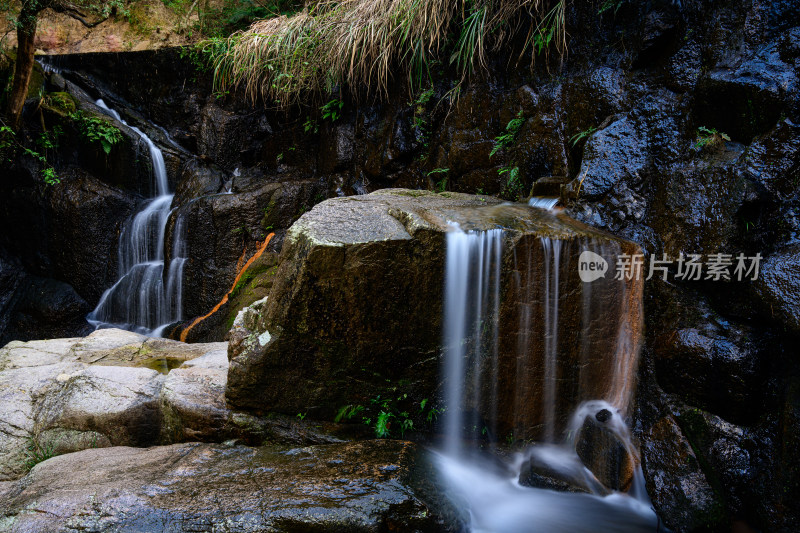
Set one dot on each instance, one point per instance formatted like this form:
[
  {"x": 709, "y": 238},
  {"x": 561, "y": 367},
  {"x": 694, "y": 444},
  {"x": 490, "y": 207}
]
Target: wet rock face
[
  {"x": 707, "y": 360},
  {"x": 778, "y": 286},
  {"x": 683, "y": 495},
  {"x": 69, "y": 232},
  {"x": 613, "y": 154},
  {"x": 700, "y": 201},
  {"x": 366, "y": 486},
  {"x": 757, "y": 85},
  {"x": 356, "y": 304},
  {"x": 45, "y": 308},
  {"x": 11, "y": 274},
  {"x": 224, "y": 230}
]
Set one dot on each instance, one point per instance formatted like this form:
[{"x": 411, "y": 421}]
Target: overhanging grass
[{"x": 369, "y": 45}]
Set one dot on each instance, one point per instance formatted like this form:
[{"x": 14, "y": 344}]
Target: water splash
[{"x": 142, "y": 300}]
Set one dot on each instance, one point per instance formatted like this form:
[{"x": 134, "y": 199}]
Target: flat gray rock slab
[{"x": 364, "y": 486}]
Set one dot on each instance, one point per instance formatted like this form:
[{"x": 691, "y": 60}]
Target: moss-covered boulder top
[{"x": 391, "y": 214}]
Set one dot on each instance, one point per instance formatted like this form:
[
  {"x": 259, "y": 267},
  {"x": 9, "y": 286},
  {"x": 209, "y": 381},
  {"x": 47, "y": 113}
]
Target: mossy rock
[{"x": 60, "y": 103}]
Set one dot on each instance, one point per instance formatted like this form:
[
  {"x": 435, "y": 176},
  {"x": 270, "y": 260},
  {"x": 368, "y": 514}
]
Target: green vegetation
[
  {"x": 369, "y": 44},
  {"x": 513, "y": 186},
  {"x": 36, "y": 452},
  {"x": 332, "y": 110},
  {"x": 609, "y": 5},
  {"x": 10, "y": 148},
  {"x": 504, "y": 140},
  {"x": 709, "y": 138},
  {"x": 578, "y": 137},
  {"x": 440, "y": 185},
  {"x": 97, "y": 130},
  {"x": 549, "y": 29},
  {"x": 391, "y": 414}
]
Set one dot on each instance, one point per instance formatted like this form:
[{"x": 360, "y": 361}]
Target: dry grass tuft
[{"x": 368, "y": 44}]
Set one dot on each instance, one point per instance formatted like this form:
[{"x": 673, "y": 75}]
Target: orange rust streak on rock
[{"x": 185, "y": 332}]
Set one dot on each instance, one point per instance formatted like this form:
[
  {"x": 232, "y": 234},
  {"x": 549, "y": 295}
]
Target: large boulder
[
  {"x": 366, "y": 486},
  {"x": 356, "y": 309},
  {"x": 116, "y": 387}
]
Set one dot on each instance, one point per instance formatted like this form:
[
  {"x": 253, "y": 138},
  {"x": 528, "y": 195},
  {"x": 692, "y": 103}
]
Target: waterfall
[
  {"x": 142, "y": 300},
  {"x": 543, "y": 202},
  {"x": 520, "y": 359},
  {"x": 473, "y": 296}
]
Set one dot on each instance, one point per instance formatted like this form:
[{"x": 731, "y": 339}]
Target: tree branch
[{"x": 77, "y": 15}]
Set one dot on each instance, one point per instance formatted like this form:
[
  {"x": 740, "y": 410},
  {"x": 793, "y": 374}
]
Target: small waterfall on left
[{"x": 143, "y": 299}]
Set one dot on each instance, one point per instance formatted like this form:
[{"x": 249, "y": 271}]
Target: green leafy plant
[
  {"x": 420, "y": 119},
  {"x": 97, "y": 130},
  {"x": 311, "y": 125},
  {"x": 578, "y": 137},
  {"x": 301, "y": 416},
  {"x": 608, "y": 5},
  {"x": 513, "y": 185},
  {"x": 440, "y": 185},
  {"x": 49, "y": 140},
  {"x": 332, "y": 110},
  {"x": 709, "y": 138},
  {"x": 509, "y": 136},
  {"x": 390, "y": 414},
  {"x": 10, "y": 147},
  {"x": 36, "y": 452}
]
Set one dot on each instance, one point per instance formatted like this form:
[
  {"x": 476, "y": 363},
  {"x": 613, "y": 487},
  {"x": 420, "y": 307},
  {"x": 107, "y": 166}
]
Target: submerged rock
[{"x": 366, "y": 486}]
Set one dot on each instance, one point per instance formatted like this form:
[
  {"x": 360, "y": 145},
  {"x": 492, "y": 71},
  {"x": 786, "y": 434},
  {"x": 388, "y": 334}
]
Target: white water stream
[
  {"x": 142, "y": 300},
  {"x": 486, "y": 488}
]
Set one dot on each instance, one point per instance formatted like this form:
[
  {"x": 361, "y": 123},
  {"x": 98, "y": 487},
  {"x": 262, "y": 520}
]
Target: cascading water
[
  {"x": 483, "y": 402},
  {"x": 142, "y": 300},
  {"x": 543, "y": 202},
  {"x": 473, "y": 292}
]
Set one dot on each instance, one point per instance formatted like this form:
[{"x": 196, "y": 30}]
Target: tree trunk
[{"x": 26, "y": 32}]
